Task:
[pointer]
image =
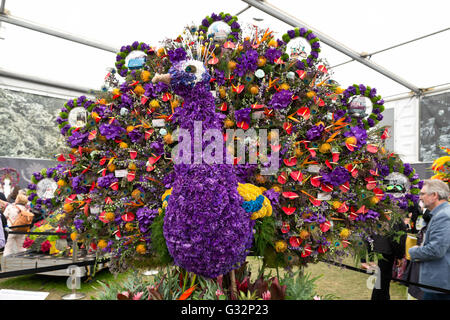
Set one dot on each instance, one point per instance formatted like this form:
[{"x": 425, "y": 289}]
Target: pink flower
[
  {"x": 45, "y": 246},
  {"x": 138, "y": 296},
  {"x": 317, "y": 298},
  {"x": 266, "y": 295},
  {"x": 219, "y": 293},
  {"x": 28, "y": 243}
]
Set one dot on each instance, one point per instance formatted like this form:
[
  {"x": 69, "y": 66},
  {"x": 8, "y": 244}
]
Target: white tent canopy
[{"x": 364, "y": 27}]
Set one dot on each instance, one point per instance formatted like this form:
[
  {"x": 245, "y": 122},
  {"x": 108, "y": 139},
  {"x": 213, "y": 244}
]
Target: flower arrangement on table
[{"x": 441, "y": 167}]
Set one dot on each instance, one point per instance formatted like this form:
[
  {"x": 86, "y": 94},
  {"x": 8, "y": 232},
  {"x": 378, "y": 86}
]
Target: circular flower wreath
[
  {"x": 64, "y": 126},
  {"x": 371, "y": 93},
  {"x": 412, "y": 196},
  {"x": 313, "y": 41},
  {"x": 36, "y": 177},
  {"x": 122, "y": 69},
  {"x": 227, "y": 18}
]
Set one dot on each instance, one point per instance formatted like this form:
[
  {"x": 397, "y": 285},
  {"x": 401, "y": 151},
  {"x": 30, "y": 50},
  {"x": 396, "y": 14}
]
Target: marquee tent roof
[{"x": 416, "y": 35}]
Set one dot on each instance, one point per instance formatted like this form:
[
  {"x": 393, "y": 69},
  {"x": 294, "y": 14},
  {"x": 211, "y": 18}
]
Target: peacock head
[{"x": 184, "y": 75}]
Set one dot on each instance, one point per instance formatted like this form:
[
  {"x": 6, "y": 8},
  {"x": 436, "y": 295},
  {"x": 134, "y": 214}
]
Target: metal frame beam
[
  {"x": 63, "y": 35},
  {"x": 294, "y": 22},
  {"x": 49, "y": 83}
]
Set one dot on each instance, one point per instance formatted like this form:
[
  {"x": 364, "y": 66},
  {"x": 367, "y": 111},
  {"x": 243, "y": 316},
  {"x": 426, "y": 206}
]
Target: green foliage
[
  {"x": 264, "y": 234},
  {"x": 302, "y": 287},
  {"x": 159, "y": 242}
]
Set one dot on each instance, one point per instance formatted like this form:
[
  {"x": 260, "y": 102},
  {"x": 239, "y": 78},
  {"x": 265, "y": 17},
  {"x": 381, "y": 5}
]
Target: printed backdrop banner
[
  {"x": 26, "y": 167},
  {"x": 434, "y": 126}
]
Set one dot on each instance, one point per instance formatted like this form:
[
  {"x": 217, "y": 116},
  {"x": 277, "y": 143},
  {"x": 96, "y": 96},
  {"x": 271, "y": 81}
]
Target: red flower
[
  {"x": 45, "y": 246},
  {"x": 28, "y": 243}
]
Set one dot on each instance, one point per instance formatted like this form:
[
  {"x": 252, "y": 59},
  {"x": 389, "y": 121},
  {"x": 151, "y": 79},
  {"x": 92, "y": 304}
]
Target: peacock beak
[{"x": 162, "y": 78}]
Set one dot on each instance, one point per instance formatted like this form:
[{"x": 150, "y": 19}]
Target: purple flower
[
  {"x": 157, "y": 147},
  {"x": 78, "y": 184},
  {"x": 111, "y": 131},
  {"x": 379, "y": 117},
  {"x": 359, "y": 133},
  {"x": 219, "y": 76},
  {"x": 107, "y": 180},
  {"x": 338, "y": 176},
  {"x": 291, "y": 33},
  {"x": 79, "y": 224},
  {"x": 247, "y": 62},
  {"x": 281, "y": 100},
  {"x": 371, "y": 122},
  {"x": 145, "y": 217},
  {"x": 314, "y": 133},
  {"x": 339, "y": 114},
  {"x": 78, "y": 138},
  {"x": 310, "y": 36},
  {"x": 235, "y": 25},
  {"x": 384, "y": 169},
  {"x": 177, "y": 55},
  {"x": 243, "y": 115},
  {"x": 272, "y": 54},
  {"x": 407, "y": 169},
  {"x": 65, "y": 129},
  {"x": 135, "y": 135}
]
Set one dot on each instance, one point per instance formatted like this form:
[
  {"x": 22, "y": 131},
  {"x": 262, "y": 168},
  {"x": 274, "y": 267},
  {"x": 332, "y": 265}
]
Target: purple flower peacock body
[{"x": 206, "y": 229}]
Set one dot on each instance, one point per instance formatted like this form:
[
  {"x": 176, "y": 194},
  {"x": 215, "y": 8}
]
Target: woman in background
[{"x": 15, "y": 241}]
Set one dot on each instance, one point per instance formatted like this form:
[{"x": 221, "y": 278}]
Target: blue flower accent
[{"x": 253, "y": 205}]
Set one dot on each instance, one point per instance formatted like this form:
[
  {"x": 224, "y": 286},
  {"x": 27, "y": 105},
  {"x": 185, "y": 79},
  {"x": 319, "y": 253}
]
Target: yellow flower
[
  {"x": 61, "y": 183},
  {"x": 129, "y": 227},
  {"x": 130, "y": 128},
  {"x": 140, "y": 248},
  {"x": 154, "y": 103},
  {"x": 139, "y": 90},
  {"x": 145, "y": 76},
  {"x": 102, "y": 244},
  {"x": 280, "y": 246},
  {"x": 110, "y": 216},
  {"x": 339, "y": 90},
  {"x": 351, "y": 140},
  {"x": 273, "y": 43},
  {"x": 68, "y": 207},
  {"x": 345, "y": 233},
  {"x": 438, "y": 164},
  {"x": 336, "y": 205},
  {"x": 310, "y": 94},
  {"x": 116, "y": 91},
  {"x": 325, "y": 147},
  {"x": 123, "y": 145},
  {"x": 73, "y": 236},
  {"x": 167, "y": 193},
  {"x": 304, "y": 234},
  {"x": 284, "y": 86}
]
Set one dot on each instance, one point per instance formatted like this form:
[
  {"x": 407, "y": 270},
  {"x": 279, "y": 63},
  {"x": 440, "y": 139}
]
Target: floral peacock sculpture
[{"x": 146, "y": 177}]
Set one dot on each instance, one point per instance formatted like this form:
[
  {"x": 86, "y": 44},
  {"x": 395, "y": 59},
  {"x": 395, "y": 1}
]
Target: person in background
[
  {"x": 411, "y": 274},
  {"x": 13, "y": 194},
  {"x": 3, "y": 235},
  {"x": 434, "y": 254},
  {"x": 3, "y": 204},
  {"x": 390, "y": 250},
  {"x": 15, "y": 241}
]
